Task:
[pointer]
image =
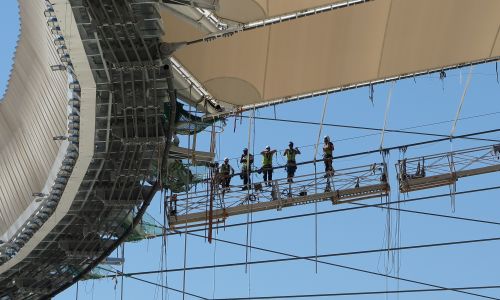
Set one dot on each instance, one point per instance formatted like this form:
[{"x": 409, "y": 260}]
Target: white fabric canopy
[
  {"x": 245, "y": 11},
  {"x": 347, "y": 46}
]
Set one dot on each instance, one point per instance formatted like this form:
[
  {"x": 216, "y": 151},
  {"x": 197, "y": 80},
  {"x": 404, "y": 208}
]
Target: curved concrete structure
[
  {"x": 33, "y": 111},
  {"x": 82, "y": 122},
  {"x": 80, "y": 125}
]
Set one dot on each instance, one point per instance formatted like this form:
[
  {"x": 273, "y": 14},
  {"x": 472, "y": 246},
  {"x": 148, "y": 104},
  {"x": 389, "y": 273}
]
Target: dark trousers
[
  {"x": 246, "y": 177},
  {"x": 226, "y": 180},
  {"x": 328, "y": 159},
  {"x": 268, "y": 173},
  {"x": 291, "y": 167}
]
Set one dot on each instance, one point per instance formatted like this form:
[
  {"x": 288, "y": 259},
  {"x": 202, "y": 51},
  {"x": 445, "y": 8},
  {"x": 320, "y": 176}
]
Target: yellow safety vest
[
  {"x": 290, "y": 154},
  {"x": 267, "y": 159},
  {"x": 327, "y": 150}
]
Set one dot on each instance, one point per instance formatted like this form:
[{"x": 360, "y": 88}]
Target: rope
[
  {"x": 248, "y": 185},
  {"x": 371, "y": 93},
  {"x": 453, "y": 186},
  {"x": 185, "y": 227},
  {"x": 164, "y": 252},
  {"x": 389, "y": 96},
  {"x": 321, "y": 125},
  {"x": 251, "y": 212},
  {"x": 215, "y": 262},
  {"x": 316, "y": 181},
  {"x": 467, "y": 83},
  {"x": 496, "y": 68}
]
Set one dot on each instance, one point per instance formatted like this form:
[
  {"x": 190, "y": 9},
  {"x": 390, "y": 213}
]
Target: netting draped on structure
[{"x": 186, "y": 122}]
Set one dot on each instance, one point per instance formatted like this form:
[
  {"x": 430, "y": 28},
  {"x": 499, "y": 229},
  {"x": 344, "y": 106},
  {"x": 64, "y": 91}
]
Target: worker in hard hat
[
  {"x": 328, "y": 156},
  {"x": 226, "y": 172},
  {"x": 291, "y": 163},
  {"x": 267, "y": 164},
  {"x": 246, "y": 161}
]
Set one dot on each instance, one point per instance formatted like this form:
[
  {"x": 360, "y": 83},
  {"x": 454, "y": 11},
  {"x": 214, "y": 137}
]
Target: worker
[
  {"x": 226, "y": 171},
  {"x": 246, "y": 161},
  {"x": 175, "y": 139},
  {"x": 267, "y": 164},
  {"x": 291, "y": 163},
  {"x": 328, "y": 156}
]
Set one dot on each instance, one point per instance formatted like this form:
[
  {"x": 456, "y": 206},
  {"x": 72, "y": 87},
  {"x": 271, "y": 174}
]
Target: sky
[
  {"x": 425, "y": 100},
  {"x": 9, "y": 16},
  {"x": 425, "y": 104}
]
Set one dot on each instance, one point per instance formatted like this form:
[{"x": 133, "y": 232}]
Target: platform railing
[
  {"x": 446, "y": 168},
  {"x": 195, "y": 208}
]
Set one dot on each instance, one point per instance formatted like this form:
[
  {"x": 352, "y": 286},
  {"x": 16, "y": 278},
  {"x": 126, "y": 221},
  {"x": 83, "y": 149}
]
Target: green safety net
[
  {"x": 96, "y": 273},
  {"x": 180, "y": 176},
  {"x": 148, "y": 227},
  {"x": 187, "y": 123}
]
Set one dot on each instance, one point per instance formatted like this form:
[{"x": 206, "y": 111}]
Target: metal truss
[
  {"x": 121, "y": 40},
  {"x": 446, "y": 168},
  {"x": 215, "y": 204}
]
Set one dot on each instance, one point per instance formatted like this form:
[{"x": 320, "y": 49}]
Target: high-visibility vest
[
  {"x": 267, "y": 158},
  {"x": 244, "y": 162},
  {"x": 225, "y": 168},
  {"x": 328, "y": 149},
  {"x": 290, "y": 154}
]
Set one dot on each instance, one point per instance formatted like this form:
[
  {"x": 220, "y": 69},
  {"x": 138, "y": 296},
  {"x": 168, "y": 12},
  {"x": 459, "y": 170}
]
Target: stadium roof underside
[{"x": 276, "y": 50}]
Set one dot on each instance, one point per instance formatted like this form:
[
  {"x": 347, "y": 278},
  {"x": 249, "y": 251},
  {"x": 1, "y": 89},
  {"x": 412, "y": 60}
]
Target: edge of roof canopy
[
  {"x": 401, "y": 36},
  {"x": 247, "y": 11}
]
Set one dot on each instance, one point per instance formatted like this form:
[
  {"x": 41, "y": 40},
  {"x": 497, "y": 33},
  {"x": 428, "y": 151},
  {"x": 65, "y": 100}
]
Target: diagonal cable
[
  {"x": 364, "y": 293},
  {"x": 288, "y": 259},
  {"x": 148, "y": 282}
]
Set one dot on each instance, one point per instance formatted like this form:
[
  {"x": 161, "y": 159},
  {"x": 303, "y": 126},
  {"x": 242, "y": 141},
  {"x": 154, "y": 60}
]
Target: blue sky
[
  {"x": 425, "y": 100},
  {"x": 10, "y": 19}
]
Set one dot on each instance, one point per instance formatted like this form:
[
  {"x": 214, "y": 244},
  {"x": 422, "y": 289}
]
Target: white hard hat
[
  {"x": 226, "y": 159},
  {"x": 268, "y": 147},
  {"x": 326, "y": 137}
]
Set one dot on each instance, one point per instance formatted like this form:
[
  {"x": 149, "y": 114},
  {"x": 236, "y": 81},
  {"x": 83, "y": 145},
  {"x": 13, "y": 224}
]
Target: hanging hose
[
  {"x": 453, "y": 187},
  {"x": 316, "y": 181},
  {"x": 496, "y": 68},
  {"x": 251, "y": 122},
  {"x": 388, "y": 105},
  {"x": 467, "y": 83}
]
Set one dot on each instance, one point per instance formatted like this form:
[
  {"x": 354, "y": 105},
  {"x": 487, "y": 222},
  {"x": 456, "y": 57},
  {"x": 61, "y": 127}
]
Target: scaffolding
[
  {"x": 445, "y": 169},
  {"x": 215, "y": 204}
]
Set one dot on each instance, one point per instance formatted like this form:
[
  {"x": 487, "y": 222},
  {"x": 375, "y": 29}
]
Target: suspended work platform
[
  {"x": 446, "y": 168},
  {"x": 215, "y": 204}
]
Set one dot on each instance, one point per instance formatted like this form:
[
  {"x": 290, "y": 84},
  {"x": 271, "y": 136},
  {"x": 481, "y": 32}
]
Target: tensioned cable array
[
  {"x": 347, "y": 209},
  {"x": 403, "y": 131},
  {"x": 312, "y": 258},
  {"x": 398, "y": 147},
  {"x": 350, "y": 253},
  {"x": 485, "y": 287},
  {"x": 118, "y": 273}
]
